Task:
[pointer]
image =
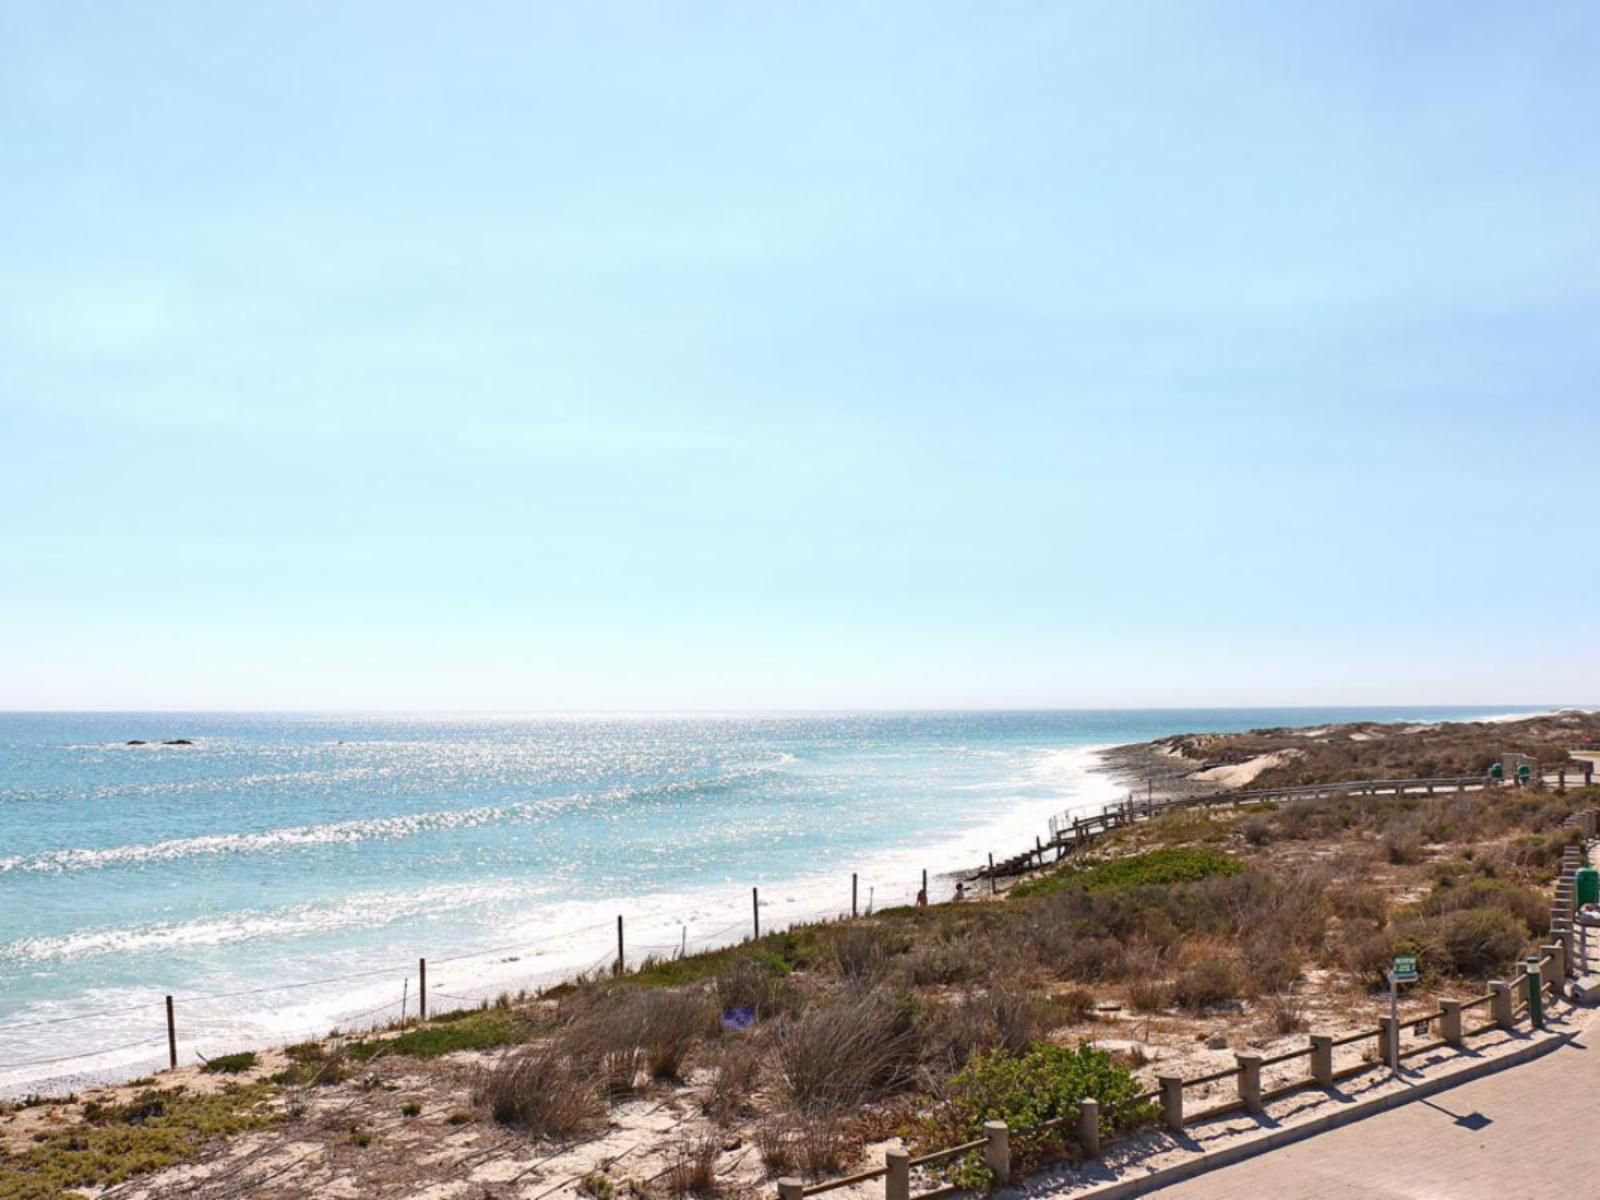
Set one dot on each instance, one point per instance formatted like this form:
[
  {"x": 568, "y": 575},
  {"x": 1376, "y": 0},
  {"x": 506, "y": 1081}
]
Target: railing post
[
  {"x": 1555, "y": 970},
  {"x": 1533, "y": 973},
  {"x": 1171, "y": 1101},
  {"x": 790, "y": 1188},
  {"x": 172, "y": 1036},
  {"x": 1322, "y": 1059},
  {"x": 997, "y": 1151},
  {"x": 1389, "y": 1041},
  {"x": 1089, "y": 1126},
  {"x": 1500, "y": 1007},
  {"x": 422, "y": 989},
  {"x": 897, "y": 1183},
  {"x": 1450, "y": 1021},
  {"x": 1250, "y": 1081}
]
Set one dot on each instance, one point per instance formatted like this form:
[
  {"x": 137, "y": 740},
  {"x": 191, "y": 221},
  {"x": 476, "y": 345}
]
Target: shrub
[
  {"x": 622, "y": 1033},
  {"x": 1016, "y": 1015},
  {"x": 1359, "y": 903},
  {"x": 1479, "y": 941},
  {"x": 1287, "y": 1014},
  {"x": 1024, "y": 1091},
  {"x": 1076, "y": 1004},
  {"x": 1147, "y": 994},
  {"x": 479, "y": 1030},
  {"x": 597, "y": 1186},
  {"x": 230, "y": 1064},
  {"x": 944, "y": 962},
  {"x": 736, "y": 1069},
  {"x": 860, "y": 951},
  {"x": 1166, "y": 866},
  {"x": 1257, "y": 831},
  {"x": 313, "y": 1064},
  {"x": 692, "y": 1170},
  {"x": 1526, "y": 905},
  {"x": 1402, "y": 842},
  {"x": 840, "y": 1054},
  {"x": 539, "y": 1090},
  {"x": 1205, "y": 981},
  {"x": 757, "y": 986}
]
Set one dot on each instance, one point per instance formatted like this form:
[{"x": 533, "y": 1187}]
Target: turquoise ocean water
[{"x": 285, "y": 873}]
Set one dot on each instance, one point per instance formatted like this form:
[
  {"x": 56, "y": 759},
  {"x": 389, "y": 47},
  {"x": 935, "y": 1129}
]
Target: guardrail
[{"x": 1510, "y": 1003}]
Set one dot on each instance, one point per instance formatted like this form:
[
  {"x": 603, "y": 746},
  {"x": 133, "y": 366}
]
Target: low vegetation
[
  {"x": 808, "y": 1044},
  {"x": 112, "y": 1143}
]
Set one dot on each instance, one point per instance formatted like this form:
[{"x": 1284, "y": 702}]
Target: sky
[{"x": 722, "y": 356}]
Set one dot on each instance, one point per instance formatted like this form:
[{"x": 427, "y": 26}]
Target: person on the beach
[{"x": 922, "y": 897}]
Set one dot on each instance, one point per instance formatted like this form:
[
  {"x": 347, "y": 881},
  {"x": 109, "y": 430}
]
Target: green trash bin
[
  {"x": 1586, "y": 885},
  {"x": 1497, "y": 771}
]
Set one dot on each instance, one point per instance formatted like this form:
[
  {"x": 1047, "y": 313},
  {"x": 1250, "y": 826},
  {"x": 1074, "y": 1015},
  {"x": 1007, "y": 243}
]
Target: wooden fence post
[
  {"x": 897, "y": 1183},
  {"x": 991, "y": 873},
  {"x": 1450, "y": 1021},
  {"x": 790, "y": 1188},
  {"x": 853, "y": 892},
  {"x": 172, "y": 1037},
  {"x": 1171, "y": 1101},
  {"x": 620, "y": 959},
  {"x": 997, "y": 1151},
  {"x": 1322, "y": 1059},
  {"x": 422, "y": 989},
  {"x": 1389, "y": 1041},
  {"x": 1250, "y": 1081},
  {"x": 755, "y": 910},
  {"x": 1500, "y": 1007},
  {"x": 1089, "y": 1126}
]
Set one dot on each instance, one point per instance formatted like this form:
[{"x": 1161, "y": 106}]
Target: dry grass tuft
[
  {"x": 840, "y": 1054},
  {"x": 693, "y": 1169},
  {"x": 540, "y": 1090}
]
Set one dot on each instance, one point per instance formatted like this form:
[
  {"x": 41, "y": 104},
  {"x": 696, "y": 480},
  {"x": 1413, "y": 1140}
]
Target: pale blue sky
[{"x": 756, "y": 355}]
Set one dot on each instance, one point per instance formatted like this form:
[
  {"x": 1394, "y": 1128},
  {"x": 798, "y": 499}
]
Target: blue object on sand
[{"x": 736, "y": 1019}]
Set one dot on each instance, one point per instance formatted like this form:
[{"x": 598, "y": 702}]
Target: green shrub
[
  {"x": 1169, "y": 865},
  {"x": 481, "y": 1031},
  {"x": 1025, "y": 1091},
  {"x": 1526, "y": 905},
  {"x": 230, "y": 1064}
]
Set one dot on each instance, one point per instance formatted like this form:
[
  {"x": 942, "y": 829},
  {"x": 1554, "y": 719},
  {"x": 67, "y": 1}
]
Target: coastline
[{"x": 568, "y": 938}]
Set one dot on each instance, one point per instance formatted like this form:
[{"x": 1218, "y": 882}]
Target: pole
[
  {"x": 924, "y": 883},
  {"x": 172, "y": 1037},
  {"x": 1393, "y": 1050},
  {"x": 422, "y": 989},
  {"x": 755, "y": 910},
  {"x": 854, "y": 889},
  {"x": 620, "y": 959},
  {"x": 405, "y": 993},
  {"x": 991, "y": 872}
]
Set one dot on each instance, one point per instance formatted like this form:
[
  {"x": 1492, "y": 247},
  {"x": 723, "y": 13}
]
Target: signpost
[{"x": 1404, "y": 970}]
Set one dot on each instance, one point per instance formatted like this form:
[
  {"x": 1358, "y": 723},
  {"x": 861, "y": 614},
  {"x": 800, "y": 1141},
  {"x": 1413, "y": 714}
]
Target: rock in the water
[
  {"x": 177, "y": 742},
  {"x": 136, "y": 742}
]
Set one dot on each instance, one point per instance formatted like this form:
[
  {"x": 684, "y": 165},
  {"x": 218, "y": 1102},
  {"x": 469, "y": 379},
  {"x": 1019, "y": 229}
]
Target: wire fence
[{"x": 188, "y": 1026}]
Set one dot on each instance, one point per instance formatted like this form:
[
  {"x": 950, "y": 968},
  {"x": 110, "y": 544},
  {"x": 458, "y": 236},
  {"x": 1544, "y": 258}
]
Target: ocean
[{"x": 284, "y": 874}]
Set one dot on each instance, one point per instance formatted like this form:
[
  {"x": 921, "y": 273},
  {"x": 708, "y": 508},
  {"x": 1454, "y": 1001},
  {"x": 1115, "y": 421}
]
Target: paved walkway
[{"x": 1529, "y": 1131}]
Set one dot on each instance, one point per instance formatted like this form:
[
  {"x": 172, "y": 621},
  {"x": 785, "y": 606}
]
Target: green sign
[{"x": 1405, "y": 966}]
